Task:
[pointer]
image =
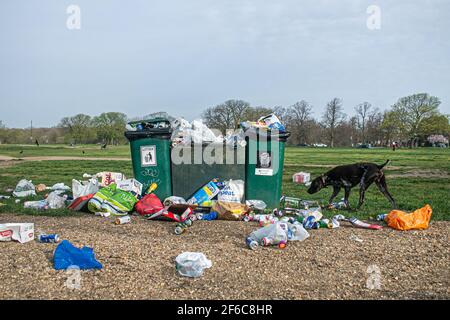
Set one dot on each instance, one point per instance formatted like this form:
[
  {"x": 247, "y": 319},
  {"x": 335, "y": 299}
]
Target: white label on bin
[
  {"x": 148, "y": 156},
  {"x": 264, "y": 172}
]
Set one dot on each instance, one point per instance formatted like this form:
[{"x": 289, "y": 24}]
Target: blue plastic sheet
[{"x": 67, "y": 255}]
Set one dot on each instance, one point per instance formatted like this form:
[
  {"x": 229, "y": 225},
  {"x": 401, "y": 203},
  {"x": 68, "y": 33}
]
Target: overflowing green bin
[
  {"x": 150, "y": 154},
  {"x": 265, "y": 165}
]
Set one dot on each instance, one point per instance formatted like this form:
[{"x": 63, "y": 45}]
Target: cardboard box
[{"x": 22, "y": 232}]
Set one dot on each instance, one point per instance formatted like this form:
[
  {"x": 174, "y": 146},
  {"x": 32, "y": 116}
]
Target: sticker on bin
[
  {"x": 148, "y": 156},
  {"x": 264, "y": 164}
]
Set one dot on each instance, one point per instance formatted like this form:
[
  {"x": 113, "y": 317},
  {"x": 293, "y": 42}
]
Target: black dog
[{"x": 351, "y": 175}]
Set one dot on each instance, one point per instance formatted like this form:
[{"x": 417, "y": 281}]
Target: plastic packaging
[
  {"x": 210, "y": 216},
  {"x": 55, "y": 201},
  {"x": 232, "y": 192},
  {"x": 209, "y": 191},
  {"x": 277, "y": 233},
  {"x": 24, "y": 188},
  {"x": 66, "y": 255},
  {"x": 192, "y": 264},
  {"x": 81, "y": 189},
  {"x": 256, "y": 204},
  {"x": 60, "y": 187},
  {"x": 37, "y": 205},
  {"x": 149, "y": 205},
  {"x": 417, "y": 220},
  {"x": 173, "y": 200}
]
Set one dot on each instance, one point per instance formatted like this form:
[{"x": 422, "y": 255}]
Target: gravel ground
[{"x": 138, "y": 262}]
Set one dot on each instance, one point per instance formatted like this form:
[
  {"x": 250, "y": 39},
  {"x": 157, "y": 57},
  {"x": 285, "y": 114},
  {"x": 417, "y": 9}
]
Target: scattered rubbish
[
  {"x": 59, "y": 187},
  {"x": 149, "y": 205},
  {"x": 355, "y": 238},
  {"x": 36, "y": 205},
  {"x": 131, "y": 185},
  {"x": 210, "y": 216},
  {"x": 109, "y": 178},
  {"x": 113, "y": 200},
  {"x": 152, "y": 188},
  {"x": 41, "y": 187},
  {"x": 17, "y": 201},
  {"x": 270, "y": 122},
  {"x": 55, "y": 201},
  {"x": 24, "y": 188},
  {"x": 381, "y": 217},
  {"x": 186, "y": 133},
  {"x": 230, "y": 210},
  {"x": 338, "y": 205},
  {"x": 81, "y": 203},
  {"x": 181, "y": 227},
  {"x": 233, "y": 191},
  {"x": 173, "y": 200},
  {"x": 339, "y": 217},
  {"x": 4, "y": 197},
  {"x": 417, "y": 220},
  {"x": 67, "y": 255},
  {"x": 82, "y": 189},
  {"x": 21, "y": 232},
  {"x": 258, "y": 205},
  {"x": 192, "y": 264},
  {"x": 103, "y": 214},
  {"x": 277, "y": 233},
  {"x": 301, "y": 177},
  {"x": 122, "y": 220},
  {"x": 48, "y": 238},
  {"x": 359, "y": 224},
  {"x": 209, "y": 191}
]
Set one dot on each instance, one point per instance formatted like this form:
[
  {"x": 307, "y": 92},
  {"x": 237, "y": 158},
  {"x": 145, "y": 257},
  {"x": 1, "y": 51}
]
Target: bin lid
[
  {"x": 161, "y": 133},
  {"x": 255, "y": 133}
]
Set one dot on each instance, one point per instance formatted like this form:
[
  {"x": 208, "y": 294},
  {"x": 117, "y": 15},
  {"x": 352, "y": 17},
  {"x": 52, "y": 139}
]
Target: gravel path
[{"x": 138, "y": 262}]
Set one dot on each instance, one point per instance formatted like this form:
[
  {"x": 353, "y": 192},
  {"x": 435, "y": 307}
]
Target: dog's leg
[
  {"x": 336, "y": 191},
  {"x": 347, "y": 195},
  {"x": 382, "y": 186}
]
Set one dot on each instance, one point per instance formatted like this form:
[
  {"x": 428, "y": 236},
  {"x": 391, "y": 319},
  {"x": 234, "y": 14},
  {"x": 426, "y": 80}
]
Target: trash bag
[
  {"x": 112, "y": 200},
  {"x": 276, "y": 232},
  {"x": 230, "y": 210},
  {"x": 67, "y": 255},
  {"x": 60, "y": 187},
  {"x": 81, "y": 189},
  {"x": 417, "y": 220},
  {"x": 296, "y": 232},
  {"x": 256, "y": 204},
  {"x": 24, "y": 188},
  {"x": 232, "y": 192},
  {"x": 192, "y": 264},
  {"x": 149, "y": 205},
  {"x": 55, "y": 201}
]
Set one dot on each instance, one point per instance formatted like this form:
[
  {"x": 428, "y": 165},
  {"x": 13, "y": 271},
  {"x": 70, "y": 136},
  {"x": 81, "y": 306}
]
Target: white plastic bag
[
  {"x": 277, "y": 232},
  {"x": 297, "y": 232},
  {"x": 24, "y": 188},
  {"x": 232, "y": 192},
  {"x": 60, "y": 187},
  {"x": 55, "y": 201},
  {"x": 81, "y": 189},
  {"x": 192, "y": 264}
]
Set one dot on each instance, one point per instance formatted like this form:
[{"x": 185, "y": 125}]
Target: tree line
[{"x": 409, "y": 122}]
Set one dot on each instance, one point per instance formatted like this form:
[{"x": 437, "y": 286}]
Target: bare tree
[
  {"x": 332, "y": 118},
  {"x": 299, "y": 116},
  {"x": 227, "y": 115},
  {"x": 362, "y": 112}
]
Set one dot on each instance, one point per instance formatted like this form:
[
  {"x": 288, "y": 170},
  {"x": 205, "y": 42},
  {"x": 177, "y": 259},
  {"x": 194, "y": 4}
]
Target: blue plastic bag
[
  {"x": 66, "y": 255},
  {"x": 210, "y": 216}
]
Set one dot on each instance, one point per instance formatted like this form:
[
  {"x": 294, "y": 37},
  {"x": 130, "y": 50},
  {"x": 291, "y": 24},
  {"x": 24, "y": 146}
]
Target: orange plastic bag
[{"x": 418, "y": 219}]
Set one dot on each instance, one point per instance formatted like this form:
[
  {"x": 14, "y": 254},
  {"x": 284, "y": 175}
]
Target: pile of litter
[{"x": 112, "y": 196}]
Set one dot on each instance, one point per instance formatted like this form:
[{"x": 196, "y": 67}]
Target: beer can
[
  {"x": 188, "y": 222},
  {"x": 252, "y": 244},
  {"x": 381, "y": 217},
  {"x": 266, "y": 241},
  {"x": 48, "y": 238},
  {"x": 122, "y": 220},
  {"x": 308, "y": 223},
  {"x": 179, "y": 230}
]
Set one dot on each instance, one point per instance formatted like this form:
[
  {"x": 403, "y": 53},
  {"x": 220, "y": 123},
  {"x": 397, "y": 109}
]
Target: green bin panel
[
  {"x": 189, "y": 177},
  {"x": 151, "y": 164},
  {"x": 264, "y": 170}
]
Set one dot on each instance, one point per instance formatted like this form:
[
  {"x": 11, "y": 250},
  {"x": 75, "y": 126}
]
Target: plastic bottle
[{"x": 37, "y": 205}]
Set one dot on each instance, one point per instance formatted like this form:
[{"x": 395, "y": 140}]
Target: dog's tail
[{"x": 383, "y": 165}]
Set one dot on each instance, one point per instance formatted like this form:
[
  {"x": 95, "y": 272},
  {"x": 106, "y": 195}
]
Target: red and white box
[
  {"x": 22, "y": 232},
  {"x": 301, "y": 177}
]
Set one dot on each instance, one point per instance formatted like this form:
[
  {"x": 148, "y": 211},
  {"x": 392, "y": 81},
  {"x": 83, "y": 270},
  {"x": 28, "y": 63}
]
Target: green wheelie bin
[
  {"x": 265, "y": 165},
  {"x": 150, "y": 154}
]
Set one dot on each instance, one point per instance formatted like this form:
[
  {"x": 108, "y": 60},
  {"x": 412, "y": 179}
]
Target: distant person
[
  {"x": 37, "y": 142},
  {"x": 394, "y": 145}
]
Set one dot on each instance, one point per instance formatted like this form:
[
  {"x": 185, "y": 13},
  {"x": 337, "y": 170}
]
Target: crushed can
[
  {"x": 122, "y": 220},
  {"x": 48, "y": 238},
  {"x": 309, "y": 222},
  {"x": 252, "y": 244},
  {"x": 179, "y": 230},
  {"x": 381, "y": 217}
]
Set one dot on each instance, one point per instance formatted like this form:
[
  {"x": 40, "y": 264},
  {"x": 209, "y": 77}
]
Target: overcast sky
[{"x": 181, "y": 56}]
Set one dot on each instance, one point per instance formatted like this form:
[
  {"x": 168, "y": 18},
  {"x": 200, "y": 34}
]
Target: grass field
[{"x": 415, "y": 177}]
